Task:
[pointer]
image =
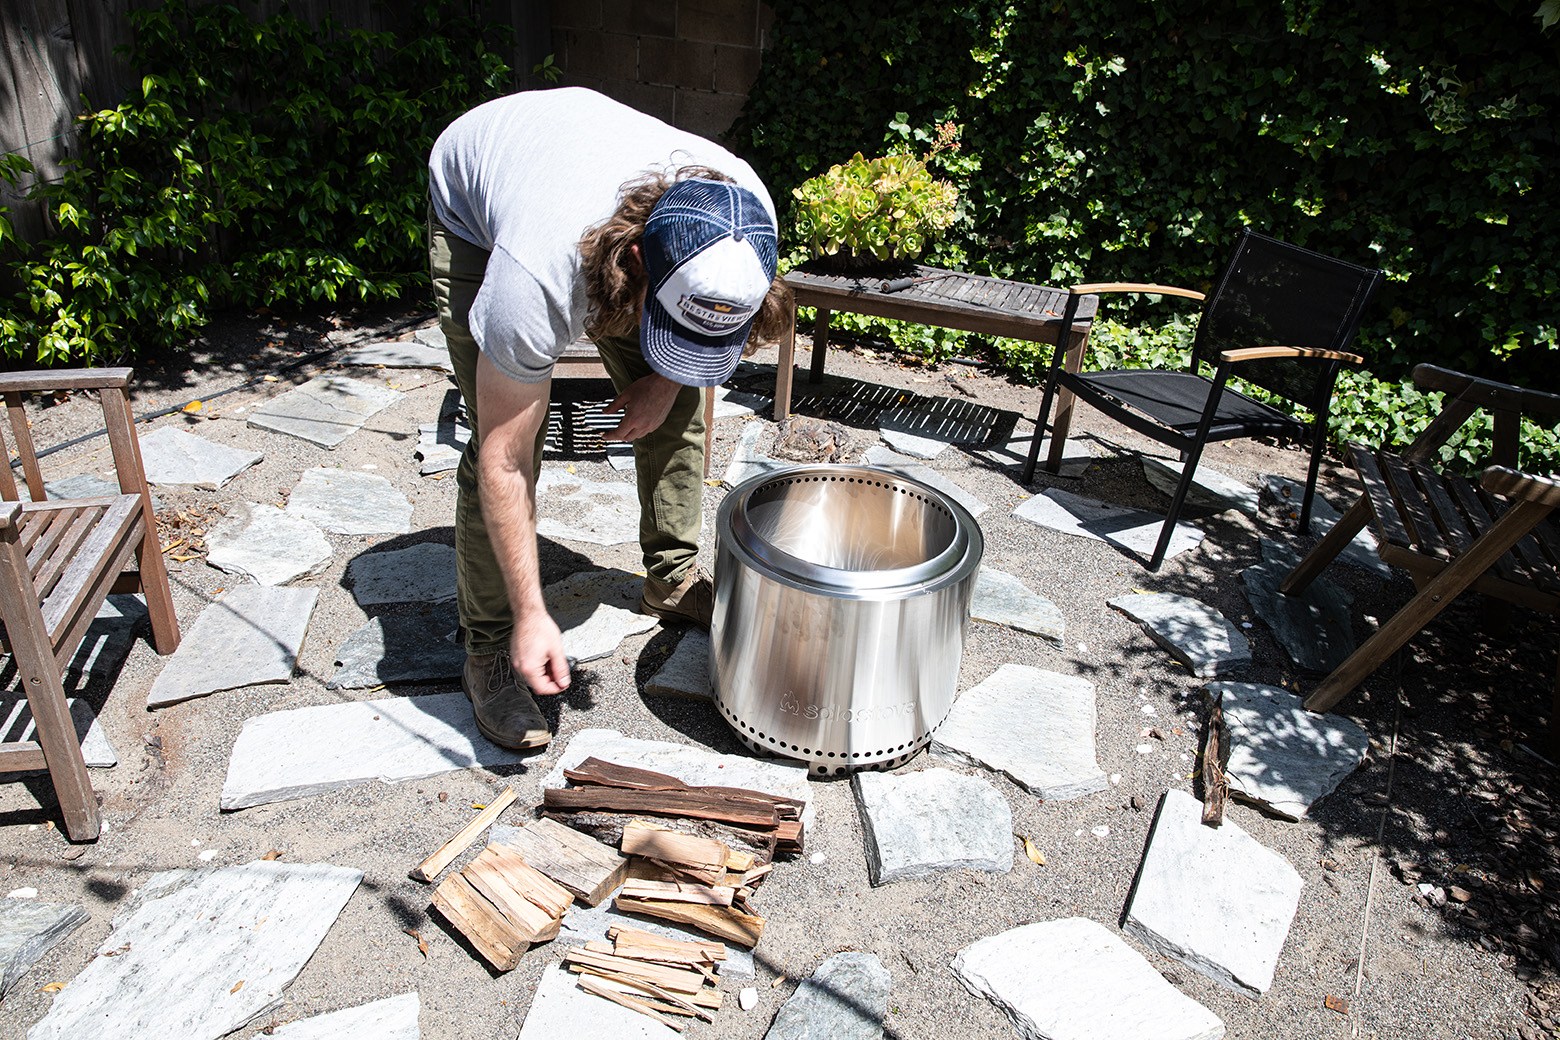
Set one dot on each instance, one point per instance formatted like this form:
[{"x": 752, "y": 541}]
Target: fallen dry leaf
[
  {"x": 53, "y": 987},
  {"x": 1034, "y": 854},
  {"x": 422, "y": 944},
  {"x": 270, "y": 379},
  {"x": 237, "y": 986},
  {"x": 479, "y": 805},
  {"x": 778, "y": 979},
  {"x": 194, "y": 406},
  {"x": 1337, "y": 1004},
  {"x": 273, "y": 854}
]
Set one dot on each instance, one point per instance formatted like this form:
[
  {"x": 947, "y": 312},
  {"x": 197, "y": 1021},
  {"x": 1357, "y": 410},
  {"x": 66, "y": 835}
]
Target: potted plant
[{"x": 873, "y": 213}]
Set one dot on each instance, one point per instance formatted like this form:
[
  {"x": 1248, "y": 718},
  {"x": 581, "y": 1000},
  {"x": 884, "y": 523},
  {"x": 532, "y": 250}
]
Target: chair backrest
[
  {"x": 112, "y": 386},
  {"x": 1272, "y": 293}
]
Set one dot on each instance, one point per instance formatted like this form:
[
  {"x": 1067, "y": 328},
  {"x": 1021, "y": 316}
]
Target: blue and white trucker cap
[{"x": 710, "y": 251}]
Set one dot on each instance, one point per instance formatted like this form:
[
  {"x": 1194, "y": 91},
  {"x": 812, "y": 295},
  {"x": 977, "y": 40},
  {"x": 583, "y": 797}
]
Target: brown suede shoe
[
  {"x": 505, "y": 711},
  {"x": 691, "y": 601}
]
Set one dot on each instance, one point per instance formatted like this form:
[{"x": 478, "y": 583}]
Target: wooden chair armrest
[
  {"x": 1486, "y": 393},
  {"x": 10, "y": 515},
  {"x": 1516, "y": 484},
  {"x": 1256, "y": 353},
  {"x": 64, "y": 379},
  {"x": 1135, "y": 287}
]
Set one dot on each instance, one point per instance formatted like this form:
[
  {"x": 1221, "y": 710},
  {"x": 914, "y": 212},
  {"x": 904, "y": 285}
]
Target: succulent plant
[{"x": 873, "y": 211}]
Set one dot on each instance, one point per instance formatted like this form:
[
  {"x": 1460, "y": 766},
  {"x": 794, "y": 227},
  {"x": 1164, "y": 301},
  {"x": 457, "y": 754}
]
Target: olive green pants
[{"x": 668, "y": 463}]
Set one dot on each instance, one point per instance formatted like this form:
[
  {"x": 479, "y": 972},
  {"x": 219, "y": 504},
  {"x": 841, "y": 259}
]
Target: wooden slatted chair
[
  {"x": 58, "y": 561},
  {"x": 1499, "y": 536}
]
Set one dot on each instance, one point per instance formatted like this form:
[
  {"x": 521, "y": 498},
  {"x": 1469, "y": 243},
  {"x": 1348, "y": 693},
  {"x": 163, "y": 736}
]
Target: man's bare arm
[{"x": 510, "y": 413}]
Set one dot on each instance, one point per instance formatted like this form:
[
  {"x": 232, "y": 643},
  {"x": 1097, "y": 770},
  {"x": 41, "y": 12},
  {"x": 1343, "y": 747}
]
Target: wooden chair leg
[
  {"x": 1332, "y": 543},
  {"x": 820, "y": 348},
  {"x": 709, "y": 427},
  {"x": 1436, "y": 595},
  {"x": 154, "y": 586},
  {"x": 1065, "y": 400},
  {"x": 785, "y": 370}
]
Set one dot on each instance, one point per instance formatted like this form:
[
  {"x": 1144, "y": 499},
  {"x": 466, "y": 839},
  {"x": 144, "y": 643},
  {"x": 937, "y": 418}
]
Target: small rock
[
  {"x": 817, "y": 858},
  {"x": 1101, "y": 831},
  {"x": 22, "y": 893},
  {"x": 747, "y": 998},
  {"x": 1458, "y": 893},
  {"x": 1137, "y": 803},
  {"x": 1434, "y": 894}
]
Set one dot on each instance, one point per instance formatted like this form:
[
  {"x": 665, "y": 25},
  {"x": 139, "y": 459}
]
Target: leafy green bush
[
  {"x": 874, "y": 210},
  {"x": 260, "y": 163}
]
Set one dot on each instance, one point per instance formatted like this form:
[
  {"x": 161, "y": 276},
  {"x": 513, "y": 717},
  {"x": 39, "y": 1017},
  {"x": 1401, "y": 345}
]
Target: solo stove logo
[{"x": 813, "y": 713}]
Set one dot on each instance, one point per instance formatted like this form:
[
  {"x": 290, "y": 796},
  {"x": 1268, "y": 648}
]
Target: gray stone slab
[
  {"x": 248, "y": 635},
  {"x": 596, "y": 610},
  {"x": 393, "y": 1018},
  {"x": 1283, "y": 757},
  {"x": 1077, "y": 457},
  {"x": 28, "y": 930},
  {"x": 572, "y": 508},
  {"x": 421, "y": 573},
  {"x": 440, "y": 445},
  {"x": 325, "y": 411},
  {"x": 1034, "y": 725},
  {"x": 307, "y": 751},
  {"x": 621, "y": 457},
  {"x": 1234, "y": 939},
  {"x": 1314, "y": 628},
  {"x": 686, "y": 672},
  {"x": 1074, "y": 979},
  {"x": 691, "y": 765},
  {"x": 416, "y": 647},
  {"x": 348, "y": 502},
  {"x": 903, "y": 464},
  {"x": 88, "y": 485},
  {"x": 931, "y": 822},
  {"x": 399, "y": 354},
  {"x": 1003, "y": 599},
  {"x": 1136, "y": 530},
  {"x": 181, "y": 947},
  {"x": 16, "y": 723},
  {"x": 172, "y": 456},
  {"x": 266, "y": 544},
  {"x": 1210, "y": 489},
  {"x": 927, "y": 426},
  {"x": 1288, "y": 494},
  {"x": 432, "y": 336},
  {"x": 108, "y": 640},
  {"x": 583, "y": 924},
  {"x": 846, "y": 998},
  {"x": 560, "y": 1010},
  {"x": 746, "y": 460},
  {"x": 1195, "y": 633},
  {"x": 731, "y": 403}
]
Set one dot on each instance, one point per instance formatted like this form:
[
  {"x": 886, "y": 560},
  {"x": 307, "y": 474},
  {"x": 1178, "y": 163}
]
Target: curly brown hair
[{"x": 615, "y": 281}]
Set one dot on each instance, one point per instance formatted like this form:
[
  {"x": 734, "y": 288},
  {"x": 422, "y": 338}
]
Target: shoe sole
[{"x": 524, "y": 745}]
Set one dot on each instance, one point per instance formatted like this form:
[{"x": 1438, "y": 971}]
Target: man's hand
[
  {"x": 536, "y": 649},
  {"x": 644, "y": 405}
]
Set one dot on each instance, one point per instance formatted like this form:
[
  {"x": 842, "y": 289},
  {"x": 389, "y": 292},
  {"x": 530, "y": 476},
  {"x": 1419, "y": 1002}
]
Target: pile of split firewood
[{"x": 690, "y": 855}]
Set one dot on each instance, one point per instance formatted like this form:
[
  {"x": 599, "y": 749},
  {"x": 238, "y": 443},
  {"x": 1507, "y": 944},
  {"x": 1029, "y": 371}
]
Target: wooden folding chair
[
  {"x": 1499, "y": 536},
  {"x": 58, "y": 562}
]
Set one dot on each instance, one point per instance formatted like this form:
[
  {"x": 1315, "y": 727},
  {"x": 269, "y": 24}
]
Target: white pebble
[
  {"x": 747, "y": 998},
  {"x": 1101, "y": 831},
  {"x": 1185, "y": 757},
  {"x": 370, "y": 465},
  {"x": 817, "y": 858},
  {"x": 194, "y": 843},
  {"x": 1115, "y": 778},
  {"x": 208, "y": 855},
  {"x": 1083, "y": 648},
  {"x": 1245, "y": 624},
  {"x": 22, "y": 893},
  {"x": 1148, "y": 709},
  {"x": 1145, "y": 749}
]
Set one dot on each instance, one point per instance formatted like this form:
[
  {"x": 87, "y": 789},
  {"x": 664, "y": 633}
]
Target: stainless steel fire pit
[{"x": 842, "y": 596}]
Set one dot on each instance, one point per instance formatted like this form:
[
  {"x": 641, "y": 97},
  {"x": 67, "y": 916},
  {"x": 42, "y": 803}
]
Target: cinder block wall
[{"x": 689, "y": 62}]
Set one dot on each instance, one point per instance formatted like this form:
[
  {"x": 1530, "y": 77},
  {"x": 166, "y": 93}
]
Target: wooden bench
[{"x": 934, "y": 296}]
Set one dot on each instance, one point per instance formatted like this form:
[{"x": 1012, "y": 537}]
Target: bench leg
[
  {"x": 1436, "y": 595},
  {"x": 785, "y": 370},
  {"x": 820, "y": 346}
]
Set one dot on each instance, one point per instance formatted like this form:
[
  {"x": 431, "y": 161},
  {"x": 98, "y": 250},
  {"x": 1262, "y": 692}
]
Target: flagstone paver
[
  {"x": 172, "y": 456},
  {"x": 1196, "y": 634},
  {"x": 687, "y": 670},
  {"x": 931, "y": 822},
  {"x": 325, "y": 411},
  {"x": 1077, "y": 457},
  {"x": 247, "y": 635},
  {"x": 1234, "y": 939},
  {"x": 1004, "y": 599},
  {"x": 398, "y": 354},
  {"x": 401, "y": 648},
  {"x": 109, "y": 638},
  {"x": 1283, "y": 757},
  {"x": 909, "y": 467},
  {"x": 269, "y": 545},
  {"x": 16, "y": 723},
  {"x": 560, "y": 1010},
  {"x": 731, "y": 403},
  {"x": 1133, "y": 529},
  {"x": 393, "y": 1018},
  {"x": 302, "y": 752},
  {"x": 928, "y": 426},
  {"x": 1210, "y": 489},
  {"x": 1315, "y": 627},
  {"x": 1074, "y": 979},
  {"x": 1288, "y": 494},
  {"x": 345, "y": 501},
  {"x": 576, "y": 509},
  {"x": 440, "y": 445},
  {"x": 846, "y": 998},
  {"x": 1036, "y": 726},
  {"x": 28, "y": 930},
  {"x": 181, "y": 947},
  {"x": 596, "y": 610},
  {"x": 421, "y": 573},
  {"x": 89, "y": 485}
]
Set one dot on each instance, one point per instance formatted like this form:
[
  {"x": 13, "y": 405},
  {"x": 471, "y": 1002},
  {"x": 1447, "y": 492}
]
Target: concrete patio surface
[{"x": 1462, "y": 804}]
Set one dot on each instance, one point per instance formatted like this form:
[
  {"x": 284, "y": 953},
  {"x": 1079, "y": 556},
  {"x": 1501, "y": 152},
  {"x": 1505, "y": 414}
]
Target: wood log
[
  {"x": 1216, "y": 786},
  {"x": 680, "y": 892},
  {"x": 610, "y": 774},
  {"x": 642, "y": 838},
  {"x": 430, "y": 868},
  {"x": 488, "y": 931},
  {"x": 636, "y": 942},
  {"x": 608, "y": 828},
  {"x": 705, "y": 998},
  {"x": 668, "y": 977},
  {"x": 692, "y": 803},
  {"x": 501, "y": 866},
  {"x": 576, "y": 861},
  {"x": 720, "y": 921},
  {"x": 502, "y": 905},
  {"x": 664, "y": 1000}
]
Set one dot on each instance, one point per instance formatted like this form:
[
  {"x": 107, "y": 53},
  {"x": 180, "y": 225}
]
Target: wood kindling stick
[
  {"x": 430, "y": 868},
  {"x": 685, "y": 1006},
  {"x": 1216, "y": 786},
  {"x": 590, "y": 985}
]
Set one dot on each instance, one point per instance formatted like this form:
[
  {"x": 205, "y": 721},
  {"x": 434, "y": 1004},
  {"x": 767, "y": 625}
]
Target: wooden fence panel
[{"x": 40, "y": 87}]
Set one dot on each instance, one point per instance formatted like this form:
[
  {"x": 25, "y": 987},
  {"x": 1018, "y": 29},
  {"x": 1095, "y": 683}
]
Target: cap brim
[{"x": 684, "y": 356}]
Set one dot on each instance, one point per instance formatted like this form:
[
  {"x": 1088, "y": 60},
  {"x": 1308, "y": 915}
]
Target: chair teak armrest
[
  {"x": 1147, "y": 288},
  {"x": 1515, "y": 484},
  {"x": 1257, "y": 353}
]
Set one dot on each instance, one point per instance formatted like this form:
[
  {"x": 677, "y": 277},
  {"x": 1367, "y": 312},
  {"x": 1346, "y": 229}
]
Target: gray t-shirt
[{"x": 525, "y": 177}]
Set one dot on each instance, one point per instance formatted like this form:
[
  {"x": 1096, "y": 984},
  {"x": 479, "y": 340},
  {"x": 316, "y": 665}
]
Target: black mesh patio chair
[{"x": 1280, "y": 317}]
